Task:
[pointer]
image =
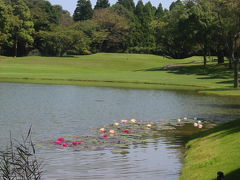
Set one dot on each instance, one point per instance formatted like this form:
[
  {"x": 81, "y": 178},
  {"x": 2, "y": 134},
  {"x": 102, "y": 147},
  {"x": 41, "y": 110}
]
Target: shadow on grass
[
  {"x": 211, "y": 71},
  {"x": 234, "y": 175}
]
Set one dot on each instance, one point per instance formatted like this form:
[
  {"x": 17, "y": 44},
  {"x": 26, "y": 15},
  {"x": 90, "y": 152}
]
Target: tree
[
  {"x": 116, "y": 26},
  {"x": 102, "y": 4},
  {"x": 5, "y": 23},
  {"x": 59, "y": 41},
  {"x": 160, "y": 12},
  {"x": 128, "y": 4},
  {"x": 83, "y": 10},
  {"x": 94, "y": 33},
  {"x": 22, "y": 30}
]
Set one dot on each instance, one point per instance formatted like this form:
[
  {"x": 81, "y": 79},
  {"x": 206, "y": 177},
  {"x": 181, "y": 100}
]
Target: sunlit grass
[
  {"x": 120, "y": 70},
  {"x": 215, "y": 150}
]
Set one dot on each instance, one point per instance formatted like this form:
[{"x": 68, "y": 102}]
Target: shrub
[{"x": 18, "y": 161}]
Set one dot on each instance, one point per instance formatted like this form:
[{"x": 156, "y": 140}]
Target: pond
[{"x": 62, "y": 111}]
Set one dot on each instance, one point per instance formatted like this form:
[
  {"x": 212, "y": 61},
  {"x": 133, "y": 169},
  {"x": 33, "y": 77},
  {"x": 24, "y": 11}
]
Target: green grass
[
  {"x": 122, "y": 71},
  {"x": 215, "y": 150}
]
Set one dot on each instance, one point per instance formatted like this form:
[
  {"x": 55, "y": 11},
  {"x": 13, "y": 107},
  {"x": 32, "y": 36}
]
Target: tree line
[{"x": 188, "y": 27}]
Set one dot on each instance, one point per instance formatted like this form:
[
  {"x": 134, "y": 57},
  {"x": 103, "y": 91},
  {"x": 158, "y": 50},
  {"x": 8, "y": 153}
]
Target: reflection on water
[{"x": 60, "y": 111}]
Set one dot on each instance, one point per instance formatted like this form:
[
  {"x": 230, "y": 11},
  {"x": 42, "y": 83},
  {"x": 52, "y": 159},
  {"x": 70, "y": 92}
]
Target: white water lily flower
[
  {"x": 133, "y": 120},
  {"x": 200, "y": 126},
  {"x": 124, "y": 121},
  {"x": 149, "y": 125}
]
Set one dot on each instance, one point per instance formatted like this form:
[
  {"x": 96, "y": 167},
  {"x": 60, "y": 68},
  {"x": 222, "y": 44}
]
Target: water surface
[{"x": 61, "y": 111}]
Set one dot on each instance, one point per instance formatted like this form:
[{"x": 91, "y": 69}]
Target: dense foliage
[{"x": 189, "y": 27}]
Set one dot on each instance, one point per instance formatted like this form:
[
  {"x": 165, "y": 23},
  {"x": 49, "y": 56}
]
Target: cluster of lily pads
[{"x": 119, "y": 135}]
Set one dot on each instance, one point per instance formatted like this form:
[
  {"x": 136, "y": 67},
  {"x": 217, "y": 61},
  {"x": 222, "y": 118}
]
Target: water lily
[
  {"x": 58, "y": 142},
  {"x": 61, "y": 139},
  {"x": 65, "y": 144},
  {"x": 149, "y": 125},
  {"x": 199, "y": 122},
  {"x": 200, "y": 126},
  {"x": 105, "y": 135},
  {"x": 74, "y": 143},
  {"x": 195, "y": 118},
  {"x": 112, "y": 131},
  {"x": 195, "y": 124},
  {"x": 102, "y": 130},
  {"x": 79, "y": 142},
  {"x": 179, "y": 120},
  {"x": 116, "y": 124},
  {"x": 124, "y": 121},
  {"x": 133, "y": 120},
  {"x": 185, "y": 118},
  {"x": 126, "y": 131}
]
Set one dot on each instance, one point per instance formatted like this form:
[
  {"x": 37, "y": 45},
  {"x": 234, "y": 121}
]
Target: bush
[
  {"x": 34, "y": 52},
  {"x": 18, "y": 161}
]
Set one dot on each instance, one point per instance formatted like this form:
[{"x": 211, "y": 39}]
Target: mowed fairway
[{"x": 120, "y": 70}]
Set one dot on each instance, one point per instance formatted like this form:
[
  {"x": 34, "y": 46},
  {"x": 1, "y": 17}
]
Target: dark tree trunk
[
  {"x": 236, "y": 69},
  {"x": 235, "y": 63},
  {"x": 220, "y": 56},
  {"x": 230, "y": 63},
  {"x": 16, "y": 46},
  {"x": 204, "y": 58}
]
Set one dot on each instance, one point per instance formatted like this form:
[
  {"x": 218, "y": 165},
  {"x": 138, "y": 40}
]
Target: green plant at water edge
[{"x": 18, "y": 161}]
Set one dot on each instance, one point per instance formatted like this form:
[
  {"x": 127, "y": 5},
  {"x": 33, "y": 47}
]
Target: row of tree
[{"x": 189, "y": 27}]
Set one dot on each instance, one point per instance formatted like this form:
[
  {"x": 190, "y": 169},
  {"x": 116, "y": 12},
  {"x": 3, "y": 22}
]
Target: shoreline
[
  {"x": 219, "y": 149},
  {"x": 123, "y": 85}
]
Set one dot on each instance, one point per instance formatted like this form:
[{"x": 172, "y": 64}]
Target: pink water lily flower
[
  {"x": 65, "y": 144},
  {"x": 200, "y": 126},
  {"x": 105, "y": 135},
  {"x": 124, "y": 121},
  {"x": 61, "y": 139},
  {"x": 112, "y": 131},
  {"x": 102, "y": 130},
  {"x": 126, "y": 131},
  {"x": 74, "y": 143},
  {"x": 58, "y": 142}
]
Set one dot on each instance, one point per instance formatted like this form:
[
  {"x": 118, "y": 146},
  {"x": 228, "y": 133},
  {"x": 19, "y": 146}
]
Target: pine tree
[
  {"x": 159, "y": 13},
  {"x": 128, "y": 4},
  {"x": 102, "y": 4},
  {"x": 139, "y": 10},
  {"x": 83, "y": 10}
]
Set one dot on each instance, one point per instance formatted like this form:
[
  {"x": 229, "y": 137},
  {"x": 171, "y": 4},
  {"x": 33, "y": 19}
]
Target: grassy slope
[
  {"x": 216, "y": 150},
  {"x": 119, "y": 70}
]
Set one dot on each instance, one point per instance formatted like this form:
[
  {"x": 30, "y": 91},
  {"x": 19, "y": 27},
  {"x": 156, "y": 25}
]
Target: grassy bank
[
  {"x": 121, "y": 70},
  {"x": 215, "y": 150}
]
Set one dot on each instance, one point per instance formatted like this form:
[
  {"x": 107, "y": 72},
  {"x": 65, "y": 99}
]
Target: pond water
[{"x": 62, "y": 111}]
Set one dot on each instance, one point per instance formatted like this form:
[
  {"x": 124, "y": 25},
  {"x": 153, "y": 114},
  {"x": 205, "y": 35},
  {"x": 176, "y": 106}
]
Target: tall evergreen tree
[
  {"x": 139, "y": 10},
  {"x": 83, "y": 10},
  {"x": 102, "y": 4},
  {"x": 128, "y": 4},
  {"x": 159, "y": 13}
]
